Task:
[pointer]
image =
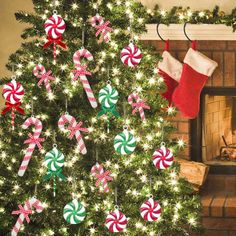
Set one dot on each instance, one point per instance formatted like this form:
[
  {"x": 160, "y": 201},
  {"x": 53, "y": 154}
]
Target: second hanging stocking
[{"x": 196, "y": 70}]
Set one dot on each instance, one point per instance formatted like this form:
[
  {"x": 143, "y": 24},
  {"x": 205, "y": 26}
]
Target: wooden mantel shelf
[{"x": 194, "y": 31}]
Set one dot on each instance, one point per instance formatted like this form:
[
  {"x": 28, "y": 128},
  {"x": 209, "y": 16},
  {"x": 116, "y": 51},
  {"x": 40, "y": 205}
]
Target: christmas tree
[{"x": 113, "y": 127}]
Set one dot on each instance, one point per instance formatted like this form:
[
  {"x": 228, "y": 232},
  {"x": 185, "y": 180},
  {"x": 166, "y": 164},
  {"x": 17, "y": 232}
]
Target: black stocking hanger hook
[
  {"x": 185, "y": 24},
  {"x": 158, "y": 33}
]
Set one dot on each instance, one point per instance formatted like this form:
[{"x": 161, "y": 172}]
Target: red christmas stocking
[
  {"x": 196, "y": 70},
  {"x": 170, "y": 69}
]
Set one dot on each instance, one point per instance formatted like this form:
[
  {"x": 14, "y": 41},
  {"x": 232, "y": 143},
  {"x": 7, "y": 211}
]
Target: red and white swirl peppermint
[
  {"x": 131, "y": 55},
  {"x": 116, "y": 221},
  {"x": 55, "y": 26},
  {"x": 162, "y": 158},
  {"x": 13, "y": 92},
  {"x": 150, "y": 210}
]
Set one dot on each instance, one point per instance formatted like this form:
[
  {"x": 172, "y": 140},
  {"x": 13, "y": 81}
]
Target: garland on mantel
[{"x": 179, "y": 15}]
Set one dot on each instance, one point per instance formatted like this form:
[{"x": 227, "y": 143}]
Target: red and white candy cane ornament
[
  {"x": 162, "y": 157},
  {"x": 131, "y": 55},
  {"x": 102, "y": 27},
  {"x": 81, "y": 72},
  {"x": 13, "y": 92},
  {"x": 24, "y": 213},
  {"x": 138, "y": 105},
  {"x": 44, "y": 76},
  {"x": 150, "y": 210},
  {"x": 101, "y": 176},
  {"x": 54, "y": 27},
  {"x": 33, "y": 141},
  {"x": 74, "y": 129},
  {"x": 116, "y": 221}
]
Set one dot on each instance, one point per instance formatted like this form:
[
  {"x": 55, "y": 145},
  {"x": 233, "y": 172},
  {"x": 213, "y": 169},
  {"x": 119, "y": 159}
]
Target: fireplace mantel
[{"x": 194, "y": 31}]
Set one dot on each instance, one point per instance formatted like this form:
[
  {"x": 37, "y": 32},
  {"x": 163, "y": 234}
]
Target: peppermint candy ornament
[
  {"x": 131, "y": 55},
  {"x": 55, "y": 26},
  {"x": 150, "y": 210},
  {"x": 108, "y": 96},
  {"x": 54, "y": 159},
  {"x": 163, "y": 157},
  {"x": 13, "y": 92},
  {"x": 74, "y": 212},
  {"x": 116, "y": 221},
  {"x": 125, "y": 142}
]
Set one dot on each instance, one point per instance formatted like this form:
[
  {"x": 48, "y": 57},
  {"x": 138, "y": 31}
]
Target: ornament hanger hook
[
  {"x": 66, "y": 106},
  {"x": 116, "y": 196},
  {"x": 83, "y": 34},
  {"x": 32, "y": 108},
  {"x": 185, "y": 24},
  {"x": 13, "y": 77}
]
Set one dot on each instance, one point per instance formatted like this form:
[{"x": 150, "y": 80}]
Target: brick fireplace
[
  {"x": 203, "y": 135},
  {"x": 220, "y": 89}
]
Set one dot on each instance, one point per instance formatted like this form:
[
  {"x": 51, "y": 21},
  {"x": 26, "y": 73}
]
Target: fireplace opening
[
  {"x": 218, "y": 130},
  {"x": 213, "y": 132}
]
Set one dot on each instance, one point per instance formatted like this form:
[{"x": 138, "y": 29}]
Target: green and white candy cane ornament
[
  {"x": 125, "y": 142},
  {"x": 108, "y": 97},
  {"x": 54, "y": 160},
  {"x": 74, "y": 212}
]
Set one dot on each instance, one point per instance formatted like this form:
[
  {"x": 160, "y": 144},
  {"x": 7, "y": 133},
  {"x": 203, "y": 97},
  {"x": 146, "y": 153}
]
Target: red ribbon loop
[
  {"x": 140, "y": 104},
  {"x": 44, "y": 77},
  {"x": 23, "y": 211},
  {"x": 76, "y": 128},
  {"x": 14, "y": 107},
  {"x": 103, "y": 28},
  {"x": 33, "y": 140},
  {"x": 56, "y": 41},
  {"x": 80, "y": 71}
]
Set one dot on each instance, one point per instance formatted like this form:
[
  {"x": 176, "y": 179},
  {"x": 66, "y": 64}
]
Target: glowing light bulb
[
  {"x": 44, "y": 16},
  {"x": 163, "y": 12},
  {"x": 181, "y": 16},
  {"x": 151, "y": 81},
  {"x": 189, "y": 13},
  {"x": 139, "y": 75},
  {"x": 140, "y": 20},
  {"x": 92, "y": 230},
  {"x": 201, "y": 14},
  {"x": 74, "y": 6},
  {"x": 192, "y": 221},
  {"x": 109, "y": 5},
  {"x": 170, "y": 110},
  {"x": 181, "y": 143},
  {"x": 63, "y": 67}
]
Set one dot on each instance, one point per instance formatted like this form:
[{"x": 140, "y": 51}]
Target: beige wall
[{"x": 10, "y": 29}]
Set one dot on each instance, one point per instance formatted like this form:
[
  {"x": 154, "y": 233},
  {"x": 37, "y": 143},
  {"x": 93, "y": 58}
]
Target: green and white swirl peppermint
[
  {"x": 125, "y": 143},
  {"x": 108, "y": 96},
  {"x": 74, "y": 212},
  {"x": 54, "y": 159}
]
